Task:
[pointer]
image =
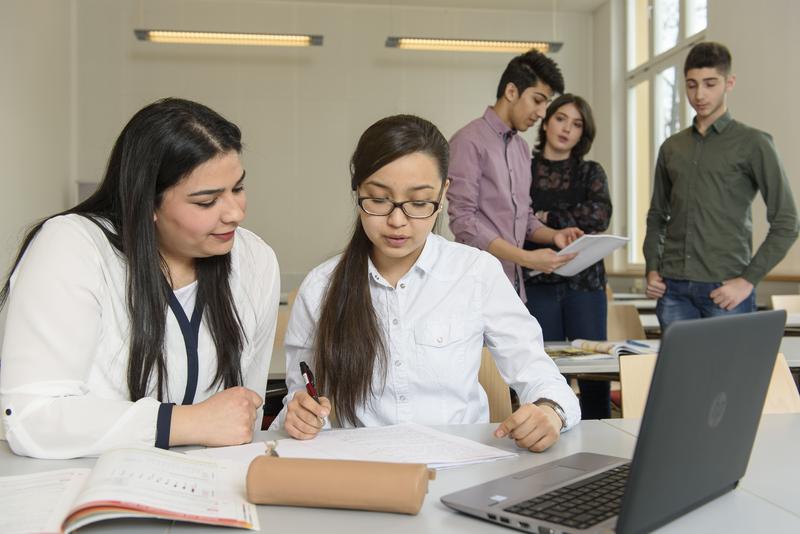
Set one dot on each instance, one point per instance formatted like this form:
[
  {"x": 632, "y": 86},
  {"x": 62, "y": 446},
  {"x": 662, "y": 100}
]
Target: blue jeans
[
  {"x": 565, "y": 314},
  {"x": 684, "y": 299}
]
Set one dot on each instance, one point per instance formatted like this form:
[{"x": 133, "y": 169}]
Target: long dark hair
[
  {"x": 349, "y": 345},
  {"x": 584, "y": 144},
  {"x": 159, "y": 147}
]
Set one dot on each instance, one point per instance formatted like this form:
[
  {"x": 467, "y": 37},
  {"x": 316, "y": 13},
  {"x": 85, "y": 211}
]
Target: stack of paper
[{"x": 407, "y": 443}]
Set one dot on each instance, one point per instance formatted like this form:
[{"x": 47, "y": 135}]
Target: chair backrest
[
  {"x": 609, "y": 293},
  {"x": 291, "y": 296},
  {"x": 495, "y": 387},
  {"x": 790, "y": 303},
  {"x": 636, "y": 372},
  {"x": 624, "y": 322}
]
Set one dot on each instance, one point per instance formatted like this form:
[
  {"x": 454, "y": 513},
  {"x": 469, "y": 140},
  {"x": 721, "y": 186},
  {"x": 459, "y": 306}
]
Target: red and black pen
[{"x": 308, "y": 376}]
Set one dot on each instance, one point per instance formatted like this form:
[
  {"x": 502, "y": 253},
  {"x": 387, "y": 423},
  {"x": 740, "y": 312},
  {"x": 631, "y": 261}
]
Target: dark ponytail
[{"x": 349, "y": 345}]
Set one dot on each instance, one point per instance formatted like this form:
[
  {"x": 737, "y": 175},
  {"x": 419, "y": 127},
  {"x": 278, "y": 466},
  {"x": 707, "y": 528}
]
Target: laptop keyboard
[{"x": 579, "y": 505}]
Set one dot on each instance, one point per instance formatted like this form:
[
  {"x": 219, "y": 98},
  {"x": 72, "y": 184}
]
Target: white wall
[
  {"x": 301, "y": 110},
  {"x": 608, "y": 107},
  {"x": 764, "y": 41},
  {"x": 35, "y": 150}
]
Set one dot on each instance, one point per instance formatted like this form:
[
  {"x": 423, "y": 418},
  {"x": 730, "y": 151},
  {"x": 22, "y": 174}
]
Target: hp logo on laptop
[{"x": 717, "y": 410}]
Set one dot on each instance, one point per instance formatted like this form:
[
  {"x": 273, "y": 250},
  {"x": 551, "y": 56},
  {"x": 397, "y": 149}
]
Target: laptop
[{"x": 699, "y": 424}]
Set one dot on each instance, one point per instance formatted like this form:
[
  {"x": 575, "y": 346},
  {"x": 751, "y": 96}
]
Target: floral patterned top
[{"x": 573, "y": 193}]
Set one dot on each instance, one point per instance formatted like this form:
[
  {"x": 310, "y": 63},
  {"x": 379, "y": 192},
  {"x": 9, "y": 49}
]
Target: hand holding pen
[{"x": 306, "y": 412}]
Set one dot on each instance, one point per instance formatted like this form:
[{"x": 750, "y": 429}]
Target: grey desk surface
[
  {"x": 771, "y": 474},
  {"x": 760, "y": 505},
  {"x": 650, "y": 321},
  {"x": 790, "y": 347}
]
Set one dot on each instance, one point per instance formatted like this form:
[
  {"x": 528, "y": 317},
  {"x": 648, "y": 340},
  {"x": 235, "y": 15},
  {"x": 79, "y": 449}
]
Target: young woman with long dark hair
[
  {"x": 569, "y": 191},
  {"x": 394, "y": 327},
  {"x": 146, "y": 295}
]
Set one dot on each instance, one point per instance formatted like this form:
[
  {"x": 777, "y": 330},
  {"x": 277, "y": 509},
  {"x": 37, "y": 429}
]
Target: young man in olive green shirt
[{"x": 698, "y": 246}]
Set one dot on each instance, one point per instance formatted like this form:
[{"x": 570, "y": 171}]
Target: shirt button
[
  {"x": 402, "y": 398},
  {"x": 439, "y": 340},
  {"x": 402, "y": 286},
  {"x": 398, "y": 363},
  {"x": 395, "y": 321}
]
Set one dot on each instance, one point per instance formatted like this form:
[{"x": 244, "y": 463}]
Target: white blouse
[
  {"x": 63, "y": 370},
  {"x": 454, "y": 300}
]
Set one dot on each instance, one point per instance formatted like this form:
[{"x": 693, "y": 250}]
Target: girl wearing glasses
[
  {"x": 145, "y": 295},
  {"x": 394, "y": 326}
]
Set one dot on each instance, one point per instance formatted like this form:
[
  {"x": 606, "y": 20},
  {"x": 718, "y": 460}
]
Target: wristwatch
[{"x": 556, "y": 408}]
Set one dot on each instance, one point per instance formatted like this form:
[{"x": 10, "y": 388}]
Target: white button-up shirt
[
  {"x": 63, "y": 372},
  {"x": 435, "y": 322}
]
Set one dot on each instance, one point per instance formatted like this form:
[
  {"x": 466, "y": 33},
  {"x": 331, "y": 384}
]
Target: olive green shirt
[{"x": 700, "y": 225}]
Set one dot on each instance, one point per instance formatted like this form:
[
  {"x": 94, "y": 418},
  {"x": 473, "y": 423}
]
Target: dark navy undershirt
[{"x": 191, "y": 334}]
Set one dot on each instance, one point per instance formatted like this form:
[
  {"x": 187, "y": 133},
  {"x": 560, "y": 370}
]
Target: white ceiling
[{"x": 517, "y": 5}]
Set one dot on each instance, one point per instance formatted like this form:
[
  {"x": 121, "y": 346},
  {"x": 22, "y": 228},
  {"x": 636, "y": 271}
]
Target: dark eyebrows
[
  {"x": 218, "y": 190},
  {"x": 415, "y": 188}
]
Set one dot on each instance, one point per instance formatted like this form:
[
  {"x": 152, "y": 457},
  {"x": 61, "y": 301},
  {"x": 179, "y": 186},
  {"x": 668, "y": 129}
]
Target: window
[{"x": 659, "y": 34}]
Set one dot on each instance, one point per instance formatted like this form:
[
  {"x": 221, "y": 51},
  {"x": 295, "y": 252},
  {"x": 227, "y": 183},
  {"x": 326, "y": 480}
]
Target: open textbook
[
  {"x": 617, "y": 348},
  {"x": 406, "y": 443},
  {"x": 591, "y": 248},
  {"x": 127, "y": 483}
]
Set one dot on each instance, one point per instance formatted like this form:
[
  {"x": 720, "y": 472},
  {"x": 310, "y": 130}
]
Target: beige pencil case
[{"x": 375, "y": 486}]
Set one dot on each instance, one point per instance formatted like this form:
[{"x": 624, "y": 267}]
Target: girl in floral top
[{"x": 569, "y": 191}]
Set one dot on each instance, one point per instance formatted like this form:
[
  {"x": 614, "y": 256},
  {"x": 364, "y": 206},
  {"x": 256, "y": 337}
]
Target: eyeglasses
[{"x": 414, "y": 209}]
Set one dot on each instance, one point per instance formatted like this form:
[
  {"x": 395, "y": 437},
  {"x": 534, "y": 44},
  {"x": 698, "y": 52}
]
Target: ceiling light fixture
[
  {"x": 227, "y": 38},
  {"x": 471, "y": 45}
]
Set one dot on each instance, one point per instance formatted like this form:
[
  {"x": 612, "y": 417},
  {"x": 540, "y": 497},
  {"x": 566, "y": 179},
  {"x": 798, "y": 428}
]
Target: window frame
[{"x": 649, "y": 72}]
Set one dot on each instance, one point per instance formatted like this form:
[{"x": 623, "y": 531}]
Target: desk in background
[
  {"x": 792, "y": 328},
  {"x": 790, "y": 347},
  {"x": 767, "y": 501}
]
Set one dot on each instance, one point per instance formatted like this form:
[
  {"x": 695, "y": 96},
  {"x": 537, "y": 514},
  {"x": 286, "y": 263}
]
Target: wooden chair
[
  {"x": 790, "y": 303},
  {"x": 495, "y": 387},
  {"x": 636, "y": 372},
  {"x": 609, "y": 294},
  {"x": 624, "y": 323},
  {"x": 291, "y": 296},
  {"x": 276, "y": 388}
]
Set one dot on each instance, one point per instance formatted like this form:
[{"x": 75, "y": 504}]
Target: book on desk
[{"x": 127, "y": 483}]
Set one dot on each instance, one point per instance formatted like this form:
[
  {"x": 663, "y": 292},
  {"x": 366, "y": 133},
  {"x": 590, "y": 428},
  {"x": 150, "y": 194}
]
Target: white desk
[
  {"x": 758, "y": 507},
  {"x": 790, "y": 347},
  {"x": 771, "y": 472},
  {"x": 650, "y": 322}
]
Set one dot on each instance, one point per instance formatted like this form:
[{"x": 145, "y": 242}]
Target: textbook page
[
  {"x": 591, "y": 248},
  {"x": 407, "y": 443},
  {"x": 38, "y": 502},
  {"x": 170, "y": 485}
]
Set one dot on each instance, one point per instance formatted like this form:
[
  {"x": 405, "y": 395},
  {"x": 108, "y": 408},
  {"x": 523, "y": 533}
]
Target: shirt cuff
[
  {"x": 163, "y": 423},
  {"x": 484, "y": 238}
]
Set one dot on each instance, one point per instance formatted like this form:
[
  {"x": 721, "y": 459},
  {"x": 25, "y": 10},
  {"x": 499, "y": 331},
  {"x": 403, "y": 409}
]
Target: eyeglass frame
[{"x": 436, "y": 204}]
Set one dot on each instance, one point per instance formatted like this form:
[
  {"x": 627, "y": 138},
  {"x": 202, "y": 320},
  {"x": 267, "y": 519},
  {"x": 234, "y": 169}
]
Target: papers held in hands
[
  {"x": 127, "y": 483},
  {"x": 616, "y": 348},
  {"x": 590, "y": 249}
]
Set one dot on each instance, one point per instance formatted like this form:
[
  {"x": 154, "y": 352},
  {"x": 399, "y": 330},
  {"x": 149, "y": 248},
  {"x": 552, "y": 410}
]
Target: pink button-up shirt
[{"x": 489, "y": 194}]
